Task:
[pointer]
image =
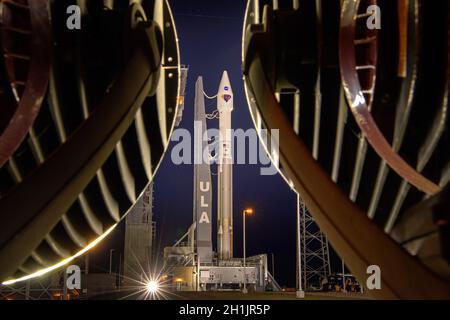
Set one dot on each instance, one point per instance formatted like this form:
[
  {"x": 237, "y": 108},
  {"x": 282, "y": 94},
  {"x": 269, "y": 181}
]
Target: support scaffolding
[
  {"x": 50, "y": 287},
  {"x": 139, "y": 237},
  {"x": 314, "y": 250}
]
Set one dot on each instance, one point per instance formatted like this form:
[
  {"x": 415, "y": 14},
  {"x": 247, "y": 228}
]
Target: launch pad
[
  {"x": 185, "y": 272},
  {"x": 191, "y": 264}
]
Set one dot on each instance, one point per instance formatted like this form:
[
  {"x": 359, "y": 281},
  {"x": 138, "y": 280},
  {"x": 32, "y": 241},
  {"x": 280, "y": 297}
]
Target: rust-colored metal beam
[
  {"x": 357, "y": 239},
  {"x": 360, "y": 109},
  {"x": 36, "y": 84}
]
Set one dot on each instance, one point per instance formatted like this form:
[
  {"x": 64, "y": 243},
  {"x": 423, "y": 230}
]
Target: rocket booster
[{"x": 225, "y": 173}]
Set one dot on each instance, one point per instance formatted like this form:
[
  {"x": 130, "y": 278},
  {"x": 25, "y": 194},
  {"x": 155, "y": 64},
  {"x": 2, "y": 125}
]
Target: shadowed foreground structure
[
  {"x": 364, "y": 128},
  {"x": 86, "y": 117}
]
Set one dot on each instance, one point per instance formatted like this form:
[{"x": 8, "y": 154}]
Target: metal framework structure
[
  {"x": 85, "y": 120},
  {"x": 314, "y": 250},
  {"x": 139, "y": 237},
  {"x": 354, "y": 138},
  {"x": 51, "y": 287}
]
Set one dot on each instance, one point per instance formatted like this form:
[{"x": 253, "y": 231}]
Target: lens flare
[{"x": 152, "y": 286}]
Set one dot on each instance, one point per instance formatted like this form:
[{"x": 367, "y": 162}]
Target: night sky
[{"x": 210, "y": 34}]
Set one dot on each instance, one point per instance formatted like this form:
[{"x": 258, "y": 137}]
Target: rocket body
[{"x": 225, "y": 101}]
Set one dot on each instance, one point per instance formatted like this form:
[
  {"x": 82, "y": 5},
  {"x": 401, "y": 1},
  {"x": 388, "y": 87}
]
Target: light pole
[
  {"x": 300, "y": 292},
  {"x": 244, "y": 213},
  {"x": 273, "y": 265}
]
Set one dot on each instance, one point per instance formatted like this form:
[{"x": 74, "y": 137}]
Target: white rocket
[{"x": 225, "y": 100}]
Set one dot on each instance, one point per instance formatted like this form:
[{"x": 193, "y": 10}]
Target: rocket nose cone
[
  {"x": 225, "y": 76},
  {"x": 225, "y": 85}
]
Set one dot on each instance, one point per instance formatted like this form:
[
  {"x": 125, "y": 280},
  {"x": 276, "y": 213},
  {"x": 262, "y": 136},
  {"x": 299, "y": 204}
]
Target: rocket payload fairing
[{"x": 225, "y": 100}]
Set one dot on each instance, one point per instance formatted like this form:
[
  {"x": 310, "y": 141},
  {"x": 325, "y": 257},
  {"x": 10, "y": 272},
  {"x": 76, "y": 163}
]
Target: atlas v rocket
[
  {"x": 202, "y": 176},
  {"x": 225, "y": 172}
]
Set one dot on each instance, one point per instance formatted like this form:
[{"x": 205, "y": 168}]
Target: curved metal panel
[
  {"x": 360, "y": 109},
  {"x": 36, "y": 84}
]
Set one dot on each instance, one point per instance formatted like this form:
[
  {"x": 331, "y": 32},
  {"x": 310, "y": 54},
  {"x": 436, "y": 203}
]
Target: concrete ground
[
  {"x": 205, "y": 296},
  {"x": 265, "y": 296}
]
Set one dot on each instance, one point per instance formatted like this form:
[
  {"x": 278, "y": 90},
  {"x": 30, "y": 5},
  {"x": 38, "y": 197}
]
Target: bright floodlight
[
  {"x": 248, "y": 211},
  {"x": 152, "y": 286}
]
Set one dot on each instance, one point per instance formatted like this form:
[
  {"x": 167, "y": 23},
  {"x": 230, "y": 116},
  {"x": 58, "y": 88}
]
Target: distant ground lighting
[
  {"x": 62, "y": 263},
  {"x": 147, "y": 285},
  {"x": 153, "y": 287}
]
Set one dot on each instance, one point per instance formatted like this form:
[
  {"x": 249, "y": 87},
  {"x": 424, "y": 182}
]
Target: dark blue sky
[{"x": 210, "y": 35}]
